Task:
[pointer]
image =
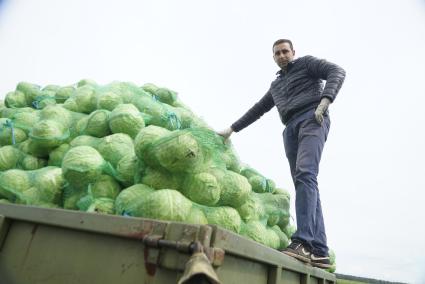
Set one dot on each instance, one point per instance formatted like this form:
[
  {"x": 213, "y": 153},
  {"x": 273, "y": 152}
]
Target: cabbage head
[
  {"x": 164, "y": 204},
  {"x": 127, "y": 169},
  {"x": 127, "y": 119},
  {"x": 235, "y": 189},
  {"x": 146, "y": 137},
  {"x": 116, "y": 146},
  {"x": 176, "y": 152},
  {"x": 108, "y": 100},
  {"x": 202, "y": 188},
  {"x": 96, "y": 124},
  {"x": 13, "y": 182},
  {"x": 9, "y": 157},
  {"x": 223, "y": 216},
  {"x": 15, "y": 99},
  {"x": 82, "y": 165},
  {"x": 127, "y": 199}
]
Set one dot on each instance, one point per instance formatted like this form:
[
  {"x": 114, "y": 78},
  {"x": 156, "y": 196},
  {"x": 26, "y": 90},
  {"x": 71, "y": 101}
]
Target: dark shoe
[
  {"x": 320, "y": 261},
  {"x": 298, "y": 251}
]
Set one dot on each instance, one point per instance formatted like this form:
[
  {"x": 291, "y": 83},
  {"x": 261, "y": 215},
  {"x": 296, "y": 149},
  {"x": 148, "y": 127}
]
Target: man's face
[{"x": 283, "y": 54}]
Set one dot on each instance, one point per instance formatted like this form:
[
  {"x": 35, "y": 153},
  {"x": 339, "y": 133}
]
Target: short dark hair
[{"x": 279, "y": 41}]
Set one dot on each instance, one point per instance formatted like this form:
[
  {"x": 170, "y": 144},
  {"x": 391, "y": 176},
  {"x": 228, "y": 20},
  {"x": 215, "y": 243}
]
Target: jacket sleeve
[
  {"x": 325, "y": 70},
  {"x": 261, "y": 107}
]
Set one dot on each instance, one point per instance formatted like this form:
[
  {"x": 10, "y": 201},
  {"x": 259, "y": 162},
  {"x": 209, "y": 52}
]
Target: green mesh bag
[
  {"x": 161, "y": 114},
  {"x": 49, "y": 183},
  {"x": 116, "y": 146},
  {"x": 9, "y": 134},
  {"x": 108, "y": 100},
  {"x": 284, "y": 240},
  {"x": 28, "y": 162},
  {"x": 223, "y": 216},
  {"x": 127, "y": 119},
  {"x": 15, "y": 99},
  {"x": 177, "y": 152},
  {"x": 25, "y": 120},
  {"x": 202, "y": 188},
  {"x": 127, "y": 169},
  {"x": 31, "y": 91},
  {"x": 235, "y": 188},
  {"x": 146, "y": 137},
  {"x": 13, "y": 182},
  {"x": 71, "y": 105},
  {"x": 96, "y": 205},
  {"x": 127, "y": 199},
  {"x": 85, "y": 140},
  {"x": 165, "y": 95},
  {"x": 104, "y": 186},
  {"x": 56, "y": 156},
  {"x": 150, "y": 88},
  {"x": 72, "y": 195},
  {"x": 161, "y": 179},
  {"x": 196, "y": 216},
  {"x": 44, "y": 99},
  {"x": 85, "y": 99},
  {"x": 164, "y": 204},
  {"x": 63, "y": 93},
  {"x": 45, "y": 136},
  {"x": 289, "y": 230},
  {"x": 44, "y": 186},
  {"x": 95, "y": 124},
  {"x": 253, "y": 209},
  {"x": 258, "y": 232},
  {"x": 83, "y": 165},
  {"x": 9, "y": 157}
]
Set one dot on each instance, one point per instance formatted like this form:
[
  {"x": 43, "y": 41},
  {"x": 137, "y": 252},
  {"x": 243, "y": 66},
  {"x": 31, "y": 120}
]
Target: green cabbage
[
  {"x": 164, "y": 204},
  {"x": 13, "y": 182},
  {"x": 126, "y": 201},
  {"x": 56, "y": 156},
  {"x": 202, "y": 188},
  {"x": 96, "y": 124},
  {"x": 116, "y": 146},
  {"x": 127, "y": 119},
  {"x": 223, "y": 216},
  {"x": 235, "y": 189},
  {"x": 161, "y": 179},
  {"x": 9, "y": 157},
  {"x": 146, "y": 137},
  {"x": 177, "y": 152},
  {"x": 109, "y": 100},
  {"x": 15, "y": 99},
  {"x": 64, "y": 93},
  {"x": 127, "y": 169},
  {"x": 82, "y": 165}
]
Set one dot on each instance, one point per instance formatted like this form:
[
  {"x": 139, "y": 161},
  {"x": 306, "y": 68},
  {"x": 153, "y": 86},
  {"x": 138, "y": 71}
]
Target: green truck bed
[{"x": 39, "y": 245}]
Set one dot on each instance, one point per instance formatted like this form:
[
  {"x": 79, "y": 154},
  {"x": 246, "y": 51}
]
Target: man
[{"x": 302, "y": 103}]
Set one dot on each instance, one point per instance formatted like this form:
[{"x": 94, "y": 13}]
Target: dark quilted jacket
[{"x": 297, "y": 90}]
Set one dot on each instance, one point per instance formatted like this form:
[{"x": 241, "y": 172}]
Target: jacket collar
[{"x": 290, "y": 64}]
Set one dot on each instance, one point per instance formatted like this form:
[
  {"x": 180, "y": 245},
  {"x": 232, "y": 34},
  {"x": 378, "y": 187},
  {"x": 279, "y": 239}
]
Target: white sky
[{"x": 217, "y": 55}]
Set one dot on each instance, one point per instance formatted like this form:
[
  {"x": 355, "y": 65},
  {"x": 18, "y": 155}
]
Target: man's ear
[{"x": 293, "y": 52}]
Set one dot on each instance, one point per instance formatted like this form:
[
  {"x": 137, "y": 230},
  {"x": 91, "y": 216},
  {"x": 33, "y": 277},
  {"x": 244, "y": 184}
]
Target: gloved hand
[
  {"x": 321, "y": 109},
  {"x": 225, "y": 133}
]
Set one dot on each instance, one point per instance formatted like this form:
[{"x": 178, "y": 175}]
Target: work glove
[
  {"x": 321, "y": 109},
  {"x": 225, "y": 133}
]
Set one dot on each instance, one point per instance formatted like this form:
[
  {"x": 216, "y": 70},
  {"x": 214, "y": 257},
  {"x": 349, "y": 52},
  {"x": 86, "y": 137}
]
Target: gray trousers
[{"x": 304, "y": 140}]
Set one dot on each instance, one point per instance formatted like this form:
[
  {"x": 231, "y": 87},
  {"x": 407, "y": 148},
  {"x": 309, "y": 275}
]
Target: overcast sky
[{"x": 218, "y": 56}]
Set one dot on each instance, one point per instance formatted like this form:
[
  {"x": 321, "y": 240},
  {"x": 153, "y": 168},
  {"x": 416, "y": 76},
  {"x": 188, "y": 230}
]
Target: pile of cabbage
[{"x": 134, "y": 151}]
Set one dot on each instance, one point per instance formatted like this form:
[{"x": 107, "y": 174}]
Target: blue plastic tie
[{"x": 9, "y": 124}]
